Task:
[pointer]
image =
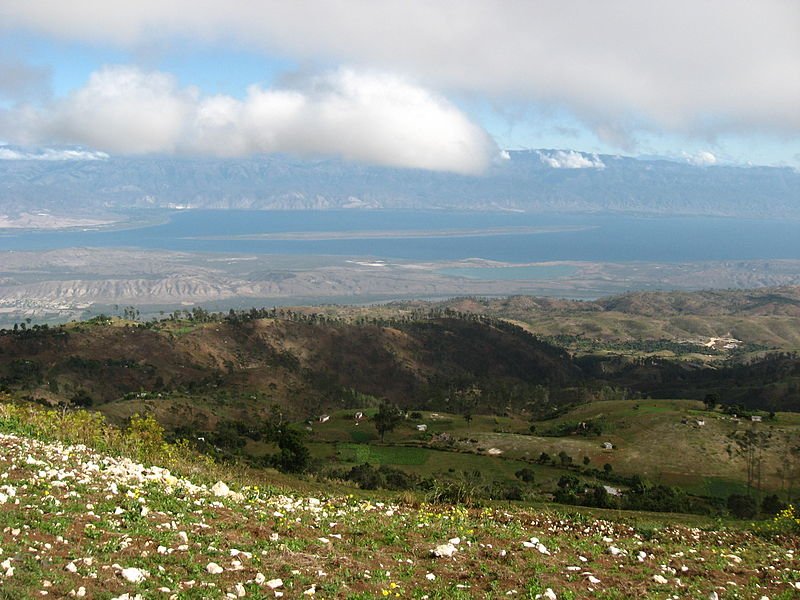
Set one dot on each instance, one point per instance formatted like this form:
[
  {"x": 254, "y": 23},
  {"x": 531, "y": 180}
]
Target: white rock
[
  {"x": 444, "y": 550},
  {"x": 614, "y": 551},
  {"x": 660, "y": 579},
  {"x": 239, "y": 590},
  {"x": 593, "y": 580},
  {"x": 220, "y": 489},
  {"x": 430, "y": 577},
  {"x": 542, "y": 549},
  {"x": 274, "y": 584},
  {"x": 134, "y": 575},
  {"x": 455, "y": 541},
  {"x": 733, "y": 557},
  {"x": 71, "y": 568},
  {"x": 214, "y": 568}
]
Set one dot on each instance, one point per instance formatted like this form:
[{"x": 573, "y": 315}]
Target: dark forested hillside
[
  {"x": 304, "y": 363},
  {"x": 301, "y": 364}
]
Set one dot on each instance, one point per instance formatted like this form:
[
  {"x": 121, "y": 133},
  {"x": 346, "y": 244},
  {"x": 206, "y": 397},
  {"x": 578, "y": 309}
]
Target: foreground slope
[{"x": 78, "y": 523}]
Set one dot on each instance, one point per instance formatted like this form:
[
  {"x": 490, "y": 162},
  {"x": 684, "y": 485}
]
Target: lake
[{"x": 440, "y": 235}]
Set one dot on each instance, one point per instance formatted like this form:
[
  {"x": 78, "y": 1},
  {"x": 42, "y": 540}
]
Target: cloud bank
[
  {"x": 361, "y": 116},
  {"x": 51, "y": 154},
  {"x": 696, "y": 68}
]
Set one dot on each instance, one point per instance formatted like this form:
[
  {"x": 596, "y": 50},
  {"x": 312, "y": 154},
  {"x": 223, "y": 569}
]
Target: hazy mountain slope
[{"x": 527, "y": 181}]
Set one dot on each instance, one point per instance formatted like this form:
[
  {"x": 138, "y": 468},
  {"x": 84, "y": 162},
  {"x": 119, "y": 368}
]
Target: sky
[{"x": 446, "y": 85}]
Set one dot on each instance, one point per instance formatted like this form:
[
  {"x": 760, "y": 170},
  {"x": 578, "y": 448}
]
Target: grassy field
[{"x": 657, "y": 439}]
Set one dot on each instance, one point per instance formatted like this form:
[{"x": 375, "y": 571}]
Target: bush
[
  {"x": 742, "y": 507},
  {"x": 787, "y": 521},
  {"x": 525, "y": 474},
  {"x": 771, "y": 505}
]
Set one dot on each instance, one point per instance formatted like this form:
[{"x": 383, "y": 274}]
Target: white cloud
[
  {"x": 704, "y": 158},
  {"x": 697, "y": 68},
  {"x": 361, "y": 116},
  {"x": 51, "y": 154},
  {"x": 561, "y": 159}
]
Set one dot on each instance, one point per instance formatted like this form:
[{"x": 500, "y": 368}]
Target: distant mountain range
[{"x": 75, "y": 181}]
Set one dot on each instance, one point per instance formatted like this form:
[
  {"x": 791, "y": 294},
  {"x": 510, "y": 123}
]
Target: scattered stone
[
  {"x": 221, "y": 490},
  {"x": 444, "y": 550},
  {"x": 134, "y": 575},
  {"x": 214, "y": 569}
]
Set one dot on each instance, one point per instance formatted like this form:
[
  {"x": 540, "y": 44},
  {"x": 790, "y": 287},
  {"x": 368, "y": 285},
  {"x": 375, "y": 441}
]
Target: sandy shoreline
[{"x": 49, "y": 221}]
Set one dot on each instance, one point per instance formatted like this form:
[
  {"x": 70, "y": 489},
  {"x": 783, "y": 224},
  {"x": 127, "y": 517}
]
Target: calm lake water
[{"x": 601, "y": 238}]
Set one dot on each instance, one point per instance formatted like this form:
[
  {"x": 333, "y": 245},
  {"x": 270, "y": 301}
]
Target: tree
[
  {"x": 607, "y": 468},
  {"x": 82, "y": 399},
  {"x": 294, "y": 456},
  {"x": 387, "y": 418},
  {"x": 751, "y": 445},
  {"x": 468, "y": 416},
  {"x": 789, "y": 468},
  {"x": 586, "y": 460},
  {"x": 711, "y": 400}
]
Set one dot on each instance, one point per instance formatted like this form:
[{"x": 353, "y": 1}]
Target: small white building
[
  {"x": 755, "y": 418},
  {"x": 324, "y": 418},
  {"x": 422, "y": 427},
  {"x": 358, "y": 416},
  {"x": 701, "y": 422},
  {"x": 608, "y": 446}
]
